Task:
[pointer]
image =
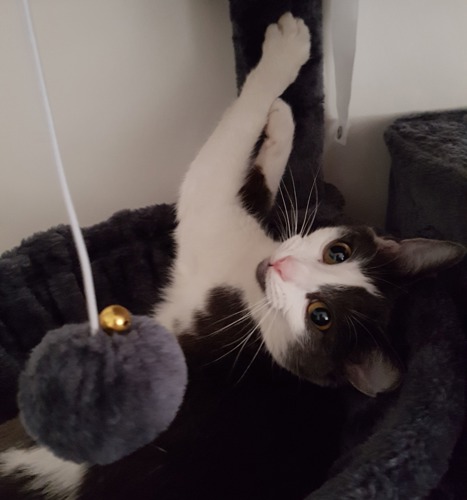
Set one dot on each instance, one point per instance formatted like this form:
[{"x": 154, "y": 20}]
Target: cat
[{"x": 256, "y": 317}]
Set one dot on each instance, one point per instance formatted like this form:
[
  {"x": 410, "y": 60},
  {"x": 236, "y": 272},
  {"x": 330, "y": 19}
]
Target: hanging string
[{"x": 75, "y": 228}]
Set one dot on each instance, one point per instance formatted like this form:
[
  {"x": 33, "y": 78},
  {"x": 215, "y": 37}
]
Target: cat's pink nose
[{"x": 283, "y": 267}]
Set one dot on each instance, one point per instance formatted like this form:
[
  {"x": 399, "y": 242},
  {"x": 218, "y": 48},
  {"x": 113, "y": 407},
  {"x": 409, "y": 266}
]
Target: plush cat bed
[
  {"x": 428, "y": 198},
  {"x": 400, "y": 446},
  {"x": 428, "y": 185}
]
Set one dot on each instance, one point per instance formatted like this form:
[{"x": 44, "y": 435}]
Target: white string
[{"x": 89, "y": 291}]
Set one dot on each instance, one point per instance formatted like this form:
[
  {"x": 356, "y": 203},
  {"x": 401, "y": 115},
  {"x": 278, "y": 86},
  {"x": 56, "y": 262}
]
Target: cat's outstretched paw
[{"x": 286, "y": 48}]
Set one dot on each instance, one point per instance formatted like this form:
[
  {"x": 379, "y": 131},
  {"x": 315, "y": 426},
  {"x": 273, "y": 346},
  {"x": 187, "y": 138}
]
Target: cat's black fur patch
[
  {"x": 250, "y": 432},
  {"x": 16, "y": 488},
  {"x": 359, "y": 320},
  {"x": 255, "y": 196},
  {"x": 374, "y": 263}
]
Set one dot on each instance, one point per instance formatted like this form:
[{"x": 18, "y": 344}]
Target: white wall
[
  {"x": 137, "y": 86},
  {"x": 411, "y": 56}
]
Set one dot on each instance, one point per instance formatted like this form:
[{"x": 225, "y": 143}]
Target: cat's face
[{"x": 335, "y": 289}]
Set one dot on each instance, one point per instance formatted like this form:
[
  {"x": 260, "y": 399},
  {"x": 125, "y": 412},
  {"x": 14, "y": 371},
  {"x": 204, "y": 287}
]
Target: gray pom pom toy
[{"x": 96, "y": 398}]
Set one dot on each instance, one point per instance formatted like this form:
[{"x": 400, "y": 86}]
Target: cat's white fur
[{"x": 52, "y": 475}]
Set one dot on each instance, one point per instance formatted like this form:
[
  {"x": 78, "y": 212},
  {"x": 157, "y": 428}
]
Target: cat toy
[{"x": 95, "y": 392}]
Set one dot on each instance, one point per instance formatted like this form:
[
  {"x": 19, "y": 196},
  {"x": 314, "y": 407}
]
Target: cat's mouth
[{"x": 261, "y": 271}]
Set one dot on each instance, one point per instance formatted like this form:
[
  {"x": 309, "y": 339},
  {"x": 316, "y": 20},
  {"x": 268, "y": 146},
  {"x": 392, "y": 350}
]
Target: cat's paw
[
  {"x": 275, "y": 150},
  {"x": 280, "y": 126},
  {"x": 286, "y": 48},
  {"x": 280, "y": 120}
]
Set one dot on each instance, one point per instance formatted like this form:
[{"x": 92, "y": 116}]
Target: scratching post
[{"x": 250, "y": 19}]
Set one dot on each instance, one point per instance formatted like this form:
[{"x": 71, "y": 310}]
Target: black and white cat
[
  {"x": 310, "y": 294},
  {"x": 318, "y": 304}
]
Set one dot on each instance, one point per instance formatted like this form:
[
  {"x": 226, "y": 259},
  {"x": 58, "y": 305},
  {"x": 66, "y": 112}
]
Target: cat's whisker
[
  {"x": 286, "y": 213},
  {"x": 375, "y": 340},
  {"x": 236, "y": 313},
  {"x": 296, "y": 201},
  {"x": 293, "y": 218},
  {"x": 394, "y": 285},
  {"x": 245, "y": 342},
  {"x": 386, "y": 262},
  {"x": 247, "y": 313},
  {"x": 251, "y": 362},
  {"x": 293, "y": 214},
  {"x": 283, "y": 228},
  {"x": 364, "y": 317},
  {"x": 305, "y": 216},
  {"x": 314, "y": 189},
  {"x": 243, "y": 338},
  {"x": 260, "y": 346},
  {"x": 314, "y": 213},
  {"x": 360, "y": 314},
  {"x": 312, "y": 219},
  {"x": 247, "y": 309},
  {"x": 238, "y": 343},
  {"x": 245, "y": 317},
  {"x": 384, "y": 334},
  {"x": 352, "y": 328},
  {"x": 262, "y": 319},
  {"x": 242, "y": 342}
]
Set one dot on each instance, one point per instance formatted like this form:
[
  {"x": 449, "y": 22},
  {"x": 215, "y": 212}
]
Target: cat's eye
[
  {"x": 337, "y": 252},
  {"x": 319, "y": 315}
]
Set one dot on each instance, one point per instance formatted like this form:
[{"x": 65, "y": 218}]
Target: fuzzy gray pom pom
[{"x": 98, "y": 398}]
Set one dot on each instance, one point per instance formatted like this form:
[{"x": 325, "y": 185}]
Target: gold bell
[{"x": 115, "y": 318}]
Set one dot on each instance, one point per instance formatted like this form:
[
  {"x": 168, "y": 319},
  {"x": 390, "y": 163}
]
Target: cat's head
[{"x": 335, "y": 289}]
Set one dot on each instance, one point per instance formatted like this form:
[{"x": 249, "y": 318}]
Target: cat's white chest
[{"x": 210, "y": 261}]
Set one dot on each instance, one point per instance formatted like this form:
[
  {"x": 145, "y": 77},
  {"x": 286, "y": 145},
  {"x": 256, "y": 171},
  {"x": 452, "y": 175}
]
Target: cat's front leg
[
  {"x": 218, "y": 172},
  {"x": 263, "y": 180}
]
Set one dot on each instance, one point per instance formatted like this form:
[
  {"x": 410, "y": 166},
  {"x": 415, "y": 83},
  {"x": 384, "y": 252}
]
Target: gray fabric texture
[
  {"x": 428, "y": 184},
  {"x": 41, "y": 287}
]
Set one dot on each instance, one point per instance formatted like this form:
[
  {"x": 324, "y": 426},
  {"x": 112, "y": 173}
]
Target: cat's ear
[
  {"x": 374, "y": 374},
  {"x": 420, "y": 256}
]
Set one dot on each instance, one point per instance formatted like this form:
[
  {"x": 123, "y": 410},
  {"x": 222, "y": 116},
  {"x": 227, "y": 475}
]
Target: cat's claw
[{"x": 286, "y": 48}]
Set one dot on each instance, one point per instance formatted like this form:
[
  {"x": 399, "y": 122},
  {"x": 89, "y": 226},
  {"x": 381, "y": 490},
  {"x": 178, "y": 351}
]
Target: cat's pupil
[
  {"x": 338, "y": 253},
  {"x": 320, "y": 316}
]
